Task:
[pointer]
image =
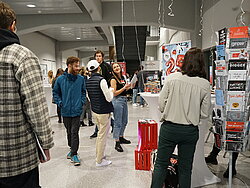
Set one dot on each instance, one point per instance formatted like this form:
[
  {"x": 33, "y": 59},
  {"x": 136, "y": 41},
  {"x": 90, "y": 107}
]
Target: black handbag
[{"x": 171, "y": 180}]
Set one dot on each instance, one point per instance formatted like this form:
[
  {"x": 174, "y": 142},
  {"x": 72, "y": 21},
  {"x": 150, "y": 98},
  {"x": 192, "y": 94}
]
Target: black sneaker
[
  {"x": 118, "y": 147},
  {"x": 226, "y": 173},
  {"x": 83, "y": 124},
  {"x": 91, "y": 123},
  {"x": 211, "y": 159},
  {"x": 124, "y": 141},
  {"x": 93, "y": 135}
]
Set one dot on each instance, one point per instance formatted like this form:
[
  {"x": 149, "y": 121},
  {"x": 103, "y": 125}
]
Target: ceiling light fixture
[{"x": 31, "y": 6}]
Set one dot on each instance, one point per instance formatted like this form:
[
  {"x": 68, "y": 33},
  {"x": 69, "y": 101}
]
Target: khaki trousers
[{"x": 103, "y": 123}]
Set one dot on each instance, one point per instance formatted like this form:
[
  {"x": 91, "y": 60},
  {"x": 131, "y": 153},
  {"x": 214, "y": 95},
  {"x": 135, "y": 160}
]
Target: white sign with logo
[{"x": 151, "y": 65}]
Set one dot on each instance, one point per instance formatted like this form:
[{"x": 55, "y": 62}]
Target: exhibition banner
[{"x": 173, "y": 56}]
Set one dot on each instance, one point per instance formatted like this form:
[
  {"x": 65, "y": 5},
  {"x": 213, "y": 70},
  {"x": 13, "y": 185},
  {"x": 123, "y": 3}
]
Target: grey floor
[{"x": 60, "y": 173}]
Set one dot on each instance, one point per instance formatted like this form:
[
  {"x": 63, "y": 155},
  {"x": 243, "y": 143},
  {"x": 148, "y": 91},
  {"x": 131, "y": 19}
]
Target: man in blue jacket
[{"x": 69, "y": 94}]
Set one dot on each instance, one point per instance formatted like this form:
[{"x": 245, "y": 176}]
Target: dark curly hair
[
  {"x": 7, "y": 16},
  {"x": 193, "y": 64}
]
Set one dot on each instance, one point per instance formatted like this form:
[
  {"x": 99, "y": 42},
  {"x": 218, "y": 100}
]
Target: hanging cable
[
  {"x": 212, "y": 37},
  {"x": 122, "y": 7},
  {"x": 243, "y": 12},
  {"x": 163, "y": 13},
  {"x": 136, "y": 33},
  {"x": 170, "y": 8},
  {"x": 201, "y": 15},
  {"x": 159, "y": 13}
]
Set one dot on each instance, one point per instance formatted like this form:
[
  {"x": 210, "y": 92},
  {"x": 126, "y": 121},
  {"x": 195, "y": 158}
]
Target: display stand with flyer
[{"x": 232, "y": 90}]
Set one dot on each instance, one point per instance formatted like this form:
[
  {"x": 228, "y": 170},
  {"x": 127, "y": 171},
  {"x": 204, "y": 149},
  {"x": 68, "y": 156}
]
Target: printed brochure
[{"x": 235, "y": 100}]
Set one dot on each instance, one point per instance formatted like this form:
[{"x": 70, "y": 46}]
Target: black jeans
[
  {"x": 72, "y": 124},
  {"x": 216, "y": 151},
  {"x": 185, "y": 137},
  {"x": 59, "y": 114},
  {"x": 28, "y": 179}
]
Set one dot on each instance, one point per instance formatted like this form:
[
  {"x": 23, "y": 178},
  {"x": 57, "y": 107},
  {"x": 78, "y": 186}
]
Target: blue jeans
[
  {"x": 134, "y": 98},
  {"x": 120, "y": 116},
  {"x": 141, "y": 99}
]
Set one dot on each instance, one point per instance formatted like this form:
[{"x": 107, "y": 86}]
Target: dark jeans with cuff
[{"x": 185, "y": 137}]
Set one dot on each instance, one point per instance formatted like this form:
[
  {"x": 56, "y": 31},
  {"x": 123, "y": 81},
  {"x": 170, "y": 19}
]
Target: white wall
[
  {"x": 85, "y": 61},
  {"x": 43, "y": 47},
  {"x": 222, "y": 14},
  {"x": 179, "y": 36},
  {"x": 66, "y": 54},
  {"x": 151, "y": 52}
]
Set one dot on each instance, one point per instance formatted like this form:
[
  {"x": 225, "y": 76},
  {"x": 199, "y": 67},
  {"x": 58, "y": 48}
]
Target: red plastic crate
[
  {"x": 142, "y": 159},
  {"x": 147, "y": 135}
]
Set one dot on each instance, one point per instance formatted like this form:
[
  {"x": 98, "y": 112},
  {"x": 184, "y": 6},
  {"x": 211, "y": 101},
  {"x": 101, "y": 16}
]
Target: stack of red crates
[{"x": 147, "y": 142}]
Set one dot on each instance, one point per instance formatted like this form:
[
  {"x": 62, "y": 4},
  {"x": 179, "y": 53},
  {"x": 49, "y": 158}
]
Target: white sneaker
[
  {"x": 104, "y": 163},
  {"x": 141, "y": 106},
  {"x": 135, "y": 105}
]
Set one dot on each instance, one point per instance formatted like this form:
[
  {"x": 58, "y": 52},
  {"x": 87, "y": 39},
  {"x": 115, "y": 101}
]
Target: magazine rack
[{"x": 232, "y": 89}]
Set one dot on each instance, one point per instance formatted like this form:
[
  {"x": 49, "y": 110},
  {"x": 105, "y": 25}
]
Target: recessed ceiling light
[
  {"x": 31, "y": 6},
  {"x": 78, "y": 38}
]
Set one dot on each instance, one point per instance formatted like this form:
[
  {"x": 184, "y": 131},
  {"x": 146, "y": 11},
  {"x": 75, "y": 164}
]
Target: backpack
[{"x": 171, "y": 180}]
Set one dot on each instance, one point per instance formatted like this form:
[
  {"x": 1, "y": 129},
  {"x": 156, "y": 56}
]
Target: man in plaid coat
[{"x": 23, "y": 109}]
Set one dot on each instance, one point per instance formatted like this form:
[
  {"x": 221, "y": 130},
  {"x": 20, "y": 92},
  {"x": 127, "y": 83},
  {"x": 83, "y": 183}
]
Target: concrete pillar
[
  {"x": 58, "y": 54},
  {"x": 194, "y": 35}
]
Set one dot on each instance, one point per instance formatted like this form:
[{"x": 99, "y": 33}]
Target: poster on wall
[
  {"x": 44, "y": 70},
  {"x": 173, "y": 56}
]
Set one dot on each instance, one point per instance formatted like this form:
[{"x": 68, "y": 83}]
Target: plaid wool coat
[{"x": 23, "y": 110}]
